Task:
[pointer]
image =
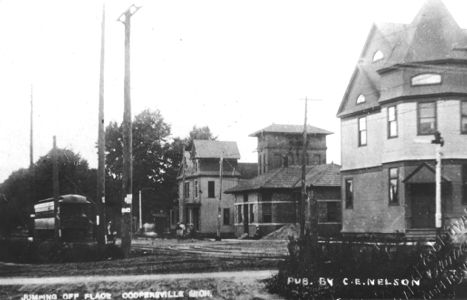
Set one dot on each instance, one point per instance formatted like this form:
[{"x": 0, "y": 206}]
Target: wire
[
  {"x": 432, "y": 68},
  {"x": 383, "y": 117}
]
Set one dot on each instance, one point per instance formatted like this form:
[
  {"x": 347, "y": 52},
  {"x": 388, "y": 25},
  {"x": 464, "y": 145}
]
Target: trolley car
[{"x": 73, "y": 220}]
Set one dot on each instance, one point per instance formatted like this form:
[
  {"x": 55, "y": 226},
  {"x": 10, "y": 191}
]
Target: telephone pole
[
  {"x": 127, "y": 182},
  {"x": 303, "y": 194},
  {"x": 56, "y": 189},
  {"x": 219, "y": 210},
  {"x": 101, "y": 217},
  {"x": 313, "y": 207},
  {"x": 31, "y": 136},
  {"x": 181, "y": 198}
]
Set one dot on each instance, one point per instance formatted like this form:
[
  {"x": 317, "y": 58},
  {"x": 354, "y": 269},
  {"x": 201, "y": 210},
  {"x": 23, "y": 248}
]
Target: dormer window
[
  {"x": 360, "y": 99},
  {"x": 378, "y": 56},
  {"x": 426, "y": 79}
]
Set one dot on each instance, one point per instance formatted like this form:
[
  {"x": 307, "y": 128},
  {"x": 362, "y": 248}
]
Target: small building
[
  {"x": 270, "y": 200},
  {"x": 410, "y": 82},
  {"x": 199, "y": 186}
]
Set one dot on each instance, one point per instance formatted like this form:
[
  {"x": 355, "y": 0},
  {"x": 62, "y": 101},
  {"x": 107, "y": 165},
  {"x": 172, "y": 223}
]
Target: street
[{"x": 225, "y": 270}]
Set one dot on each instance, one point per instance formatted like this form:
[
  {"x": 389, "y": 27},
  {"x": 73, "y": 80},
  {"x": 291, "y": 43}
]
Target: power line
[{"x": 414, "y": 110}]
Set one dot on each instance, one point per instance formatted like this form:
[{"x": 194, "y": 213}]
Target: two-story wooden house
[
  {"x": 199, "y": 185},
  {"x": 410, "y": 81}
]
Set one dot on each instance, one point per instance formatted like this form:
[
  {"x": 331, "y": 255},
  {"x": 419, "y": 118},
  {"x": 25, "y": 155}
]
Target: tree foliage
[
  {"x": 199, "y": 133},
  {"x": 24, "y": 187},
  {"x": 435, "y": 269},
  {"x": 156, "y": 159}
]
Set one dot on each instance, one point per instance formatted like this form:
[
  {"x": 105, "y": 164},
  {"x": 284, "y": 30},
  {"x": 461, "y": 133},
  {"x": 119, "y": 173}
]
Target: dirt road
[{"x": 247, "y": 275}]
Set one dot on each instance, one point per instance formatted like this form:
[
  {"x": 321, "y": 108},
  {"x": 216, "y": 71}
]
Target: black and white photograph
[{"x": 206, "y": 149}]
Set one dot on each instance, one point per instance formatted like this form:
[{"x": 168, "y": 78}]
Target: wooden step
[{"x": 421, "y": 234}]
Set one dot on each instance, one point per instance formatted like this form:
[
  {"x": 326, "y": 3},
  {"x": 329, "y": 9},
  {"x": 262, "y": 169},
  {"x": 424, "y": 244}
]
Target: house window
[
  {"x": 393, "y": 185},
  {"x": 464, "y": 116},
  {"x": 426, "y": 79},
  {"x": 196, "y": 188},
  {"x": 211, "y": 189},
  {"x": 186, "y": 190},
  {"x": 361, "y": 99},
  {"x": 329, "y": 212},
  {"x": 260, "y": 166},
  {"x": 348, "y": 193},
  {"x": 392, "y": 121},
  {"x": 239, "y": 214},
  {"x": 252, "y": 214},
  {"x": 378, "y": 56},
  {"x": 226, "y": 216},
  {"x": 362, "y": 131},
  {"x": 426, "y": 112},
  {"x": 316, "y": 159},
  {"x": 267, "y": 212}
]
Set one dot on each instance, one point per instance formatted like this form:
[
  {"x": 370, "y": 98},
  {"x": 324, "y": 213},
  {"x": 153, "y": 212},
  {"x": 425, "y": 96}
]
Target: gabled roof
[
  {"x": 424, "y": 173},
  {"x": 290, "y": 178},
  {"x": 290, "y": 129},
  {"x": 215, "y": 149},
  {"x": 432, "y": 37}
]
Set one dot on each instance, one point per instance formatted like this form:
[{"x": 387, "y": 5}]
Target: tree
[
  {"x": 199, "y": 133},
  {"x": 24, "y": 187},
  {"x": 156, "y": 161},
  {"x": 153, "y": 160}
]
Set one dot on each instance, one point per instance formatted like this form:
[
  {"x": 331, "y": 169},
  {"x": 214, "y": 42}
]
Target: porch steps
[{"x": 421, "y": 234}]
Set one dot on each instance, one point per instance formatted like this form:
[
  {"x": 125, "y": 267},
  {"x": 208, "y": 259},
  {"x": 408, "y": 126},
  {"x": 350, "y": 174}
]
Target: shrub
[{"x": 432, "y": 269}]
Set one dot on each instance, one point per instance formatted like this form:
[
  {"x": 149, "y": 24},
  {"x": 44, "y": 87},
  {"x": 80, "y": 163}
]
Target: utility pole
[
  {"x": 140, "y": 212},
  {"x": 31, "y": 136},
  {"x": 32, "y": 170},
  {"x": 313, "y": 207},
  {"x": 439, "y": 142},
  {"x": 219, "y": 210},
  {"x": 181, "y": 198},
  {"x": 127, "y": 182},
  {"x": 303, "y": 194},
  {"x": 101, "y": 217},
  {"x": 56, "y": 189}
]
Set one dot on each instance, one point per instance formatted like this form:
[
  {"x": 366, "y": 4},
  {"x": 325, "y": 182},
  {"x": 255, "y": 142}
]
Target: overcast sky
[{"x": 234, "y": 65}]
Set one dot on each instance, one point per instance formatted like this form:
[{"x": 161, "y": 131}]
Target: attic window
[
  {"x": 426, "y": 79},
  {"x": 378, "y": 56},
  {"x": 361, "y": 99}
]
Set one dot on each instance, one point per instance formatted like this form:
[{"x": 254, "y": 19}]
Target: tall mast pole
[
  {"x": 101, "y": 218},
  {"x": 219, "y": 209},
  {"x": 56, "y": 188},
  {"x": 127, "y": 182},
  {"x": 303, "y": 194},
  {"x": 181, "y": 206},
  {"x": 31, "y": 136},
  {"x": 32, "y": 188}
]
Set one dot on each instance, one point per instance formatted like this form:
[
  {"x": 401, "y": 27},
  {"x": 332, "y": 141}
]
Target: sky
[{"x": 236, "y": 66}]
